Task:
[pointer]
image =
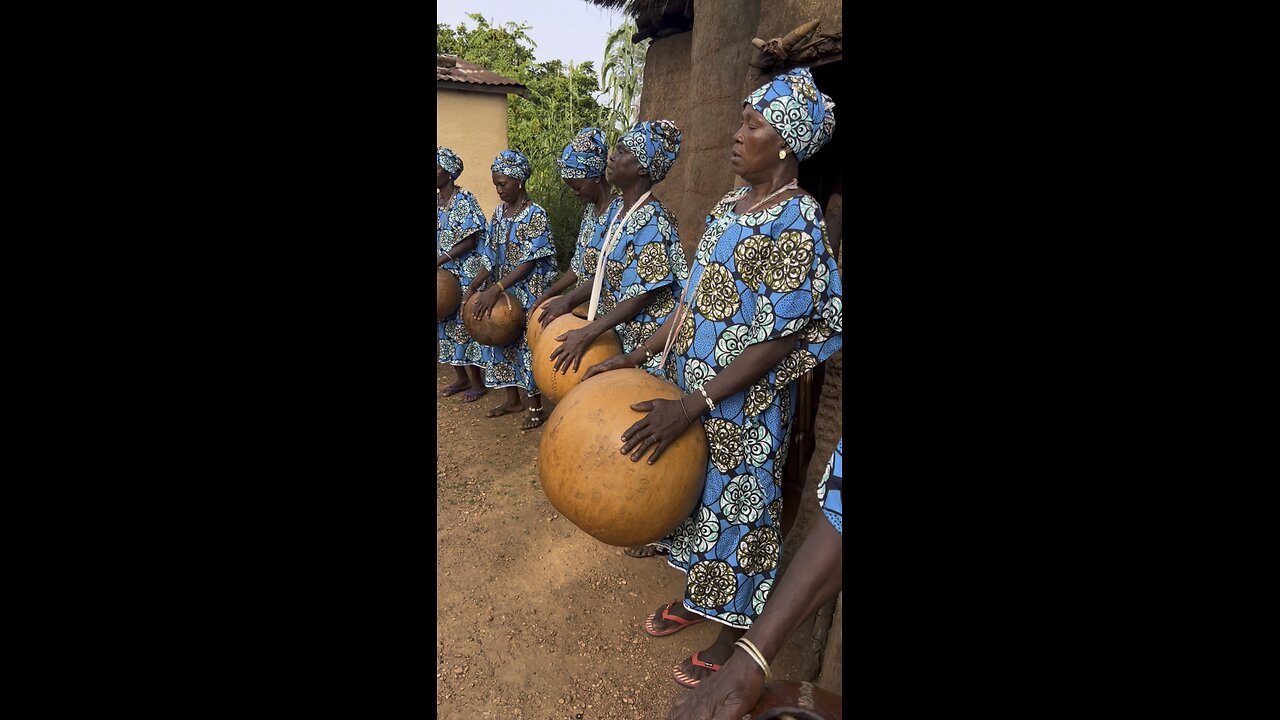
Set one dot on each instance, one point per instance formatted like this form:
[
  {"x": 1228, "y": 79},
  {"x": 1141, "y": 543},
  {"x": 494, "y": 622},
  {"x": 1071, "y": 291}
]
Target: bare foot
[
  {"x": 501, "y": 410},
  {"x": 534, "y": 419},
  {"x": 670, "y": 619},
  {"x": 456, "y": 388},
  {"x": 693, "y": 670},
  {"x": 473, "y": 395},
  {"x": 640, "y": 551}
]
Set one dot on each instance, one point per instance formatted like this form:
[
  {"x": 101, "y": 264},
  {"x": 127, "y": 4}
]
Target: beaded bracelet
[
  {"x": 708, "y": 399},
  {"x": 756, "y": 655},
  {"x": 685, "y": 411}
]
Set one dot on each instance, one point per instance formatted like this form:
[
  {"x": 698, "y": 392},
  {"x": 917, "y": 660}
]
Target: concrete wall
[{"x": 473, "y": 125}]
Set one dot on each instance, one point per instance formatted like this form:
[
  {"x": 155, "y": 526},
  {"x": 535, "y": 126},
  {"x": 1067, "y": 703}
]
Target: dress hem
[{"x": 684, "y": 602}]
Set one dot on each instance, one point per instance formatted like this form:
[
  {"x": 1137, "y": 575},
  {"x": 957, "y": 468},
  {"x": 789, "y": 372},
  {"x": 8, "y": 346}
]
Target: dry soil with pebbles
[{"x": 536, "y": 619}]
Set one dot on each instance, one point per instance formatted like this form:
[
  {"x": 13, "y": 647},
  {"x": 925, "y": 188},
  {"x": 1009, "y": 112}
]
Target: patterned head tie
[
  {"x": 512, "y": 164},
  {"x": 655, "y": 144},
  {"x": 794, "y": 106},
  {"x": 449, "y": 160},
  {"x": 585, "y": 156}
]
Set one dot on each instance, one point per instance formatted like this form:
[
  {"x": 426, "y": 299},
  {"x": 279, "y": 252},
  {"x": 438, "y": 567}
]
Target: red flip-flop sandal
[
  {"x": 682, "y": 623},
  {"x": 687, "y": 681}
]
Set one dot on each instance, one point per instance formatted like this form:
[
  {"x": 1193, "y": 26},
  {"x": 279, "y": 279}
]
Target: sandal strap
[{"x": 701, "y": 663}]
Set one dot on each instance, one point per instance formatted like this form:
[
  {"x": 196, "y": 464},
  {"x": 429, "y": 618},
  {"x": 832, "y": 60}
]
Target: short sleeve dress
[
  {"x": 513, "y": 242},
  {"x": 755, "y": 277},
  {"x": 590, "y": 238},
  {"x": 646, "y": 257},
  {"x": 454, "y": 222},
  {"x": 831, "y": 489}
]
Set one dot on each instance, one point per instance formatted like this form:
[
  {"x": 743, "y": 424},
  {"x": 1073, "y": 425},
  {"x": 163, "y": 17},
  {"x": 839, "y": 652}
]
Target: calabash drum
[
  {"x": 790, "y": 700},
  {"x": 587, "y": 479},
  {"x": 535, "y": 327},
  {"x": 448, "y": 293},
  {"x": 500, "y": 328},
  {"x": 555, "y": 385}
]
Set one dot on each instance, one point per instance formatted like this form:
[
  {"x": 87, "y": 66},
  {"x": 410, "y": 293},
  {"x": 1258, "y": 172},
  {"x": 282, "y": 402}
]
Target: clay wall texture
[{"x": 473, "y": 125}]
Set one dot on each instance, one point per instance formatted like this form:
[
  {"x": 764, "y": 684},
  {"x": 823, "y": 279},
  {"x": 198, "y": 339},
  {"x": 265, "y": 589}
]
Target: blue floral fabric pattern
[
  {"x": 512, "y": 164},
  {"x": 755, "y": 277},
  {"x": 586, "y": 252},
  {"x": 454, "y": 222},
  {"x": 831, "y": 489},
  {"x": 585, "y": 155},
  {"x": 449, "y": 161},
  {"x": 647, "y": 256},
  {"x": 655, "y": 145},
  {"x": 512, "y": 242},
  {"x": 793, "y": 105}
]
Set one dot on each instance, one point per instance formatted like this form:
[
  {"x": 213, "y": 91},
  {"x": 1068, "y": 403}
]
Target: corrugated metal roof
[{"x": 452, "y": 69}]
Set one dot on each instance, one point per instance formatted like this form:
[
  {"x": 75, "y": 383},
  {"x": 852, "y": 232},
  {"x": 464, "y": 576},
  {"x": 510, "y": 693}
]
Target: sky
[{"x": 563, "y": 29}]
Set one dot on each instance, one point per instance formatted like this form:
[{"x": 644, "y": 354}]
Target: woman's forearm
[
  {"x": 517, "y": 274},
  {"x": 753, "y": 364},
  {"x": 579, "y": 295},
  {"x": 622, "y": 312},
  {"x": 566, "y": 279},
  {"x": 812, "y": 580},
  {"x": 466, "y": 245}
]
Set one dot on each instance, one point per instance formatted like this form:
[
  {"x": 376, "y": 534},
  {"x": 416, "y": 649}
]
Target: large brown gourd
[
  {"x": 535, "y": 327},
  {"x": 500, "y": 328},
  {"x": 448, "y": 293},
  {"x": 556, "y": 385},
  {"x": 587, "y": 479}
]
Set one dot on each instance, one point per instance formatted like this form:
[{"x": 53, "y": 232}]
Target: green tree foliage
[{"x": 561, "y": 102}]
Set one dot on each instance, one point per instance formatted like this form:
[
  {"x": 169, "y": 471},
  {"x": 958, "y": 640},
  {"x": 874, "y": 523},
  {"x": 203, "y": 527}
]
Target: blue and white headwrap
[
  {"x": 512, "y": 164},
  {"x": 585, "y": 155},
  {"x": 794, "y": 106},
  {"x": 449, "y": 160},
  {"x": 655, "y": 144}
]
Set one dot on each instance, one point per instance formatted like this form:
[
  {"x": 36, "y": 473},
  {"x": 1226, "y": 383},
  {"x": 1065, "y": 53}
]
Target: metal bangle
[
  {"x": 685, "y": 410},
  {"x": 756, "y": 655}
]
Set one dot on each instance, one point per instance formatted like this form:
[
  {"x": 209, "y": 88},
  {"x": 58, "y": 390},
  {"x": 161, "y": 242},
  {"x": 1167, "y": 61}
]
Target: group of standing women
[
  {"x": 514, "y": 250},
  {"x": 758, "y": 306}
]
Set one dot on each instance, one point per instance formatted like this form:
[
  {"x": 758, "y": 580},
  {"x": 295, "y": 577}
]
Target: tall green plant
[{"x": 622, "y": 76}]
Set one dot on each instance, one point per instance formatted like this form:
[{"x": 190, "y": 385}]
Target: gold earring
[{"x": 782, "y": 154}]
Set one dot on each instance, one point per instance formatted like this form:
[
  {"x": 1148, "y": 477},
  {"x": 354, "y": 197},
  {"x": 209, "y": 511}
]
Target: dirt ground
[{"x": 536, "y": 619}]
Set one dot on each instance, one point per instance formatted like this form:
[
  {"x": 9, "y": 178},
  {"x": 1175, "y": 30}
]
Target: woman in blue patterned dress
[
  {"x": 813, "y": 579},
  {"x": 460, "y": 232},
  {"x": 582, "y": 169},
  {"x": 763, "y": 308},
  {"x": 519, "y": 257},
  {"x": 645, "y": 261}
]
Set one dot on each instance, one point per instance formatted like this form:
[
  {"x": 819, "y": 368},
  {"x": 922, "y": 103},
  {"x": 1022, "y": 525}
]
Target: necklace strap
[
  {"x": 685, "y": 304},
  {"x": 789, "y": 186},
  {"x": 611, "y": 239}
]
